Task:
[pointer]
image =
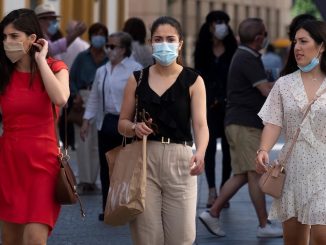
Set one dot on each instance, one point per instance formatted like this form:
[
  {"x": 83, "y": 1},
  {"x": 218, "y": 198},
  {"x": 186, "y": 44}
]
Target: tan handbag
[
  {"x": 272, "y": 181},
  {"x": 65, "y": 188},
  {"x": 126, "y": 196}
]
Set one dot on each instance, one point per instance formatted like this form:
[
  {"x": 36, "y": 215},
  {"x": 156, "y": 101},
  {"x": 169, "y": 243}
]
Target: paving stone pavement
[{"x": 239, "y": 221}]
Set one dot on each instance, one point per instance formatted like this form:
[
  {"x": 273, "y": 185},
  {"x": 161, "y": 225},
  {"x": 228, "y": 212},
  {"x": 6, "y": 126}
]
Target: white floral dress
[{"x": 304, "y": 193}]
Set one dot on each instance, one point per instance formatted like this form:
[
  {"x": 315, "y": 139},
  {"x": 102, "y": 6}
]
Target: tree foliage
[{"x": 305, "y": 7}]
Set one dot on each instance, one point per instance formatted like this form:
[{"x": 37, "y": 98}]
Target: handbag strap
[
  {"x": 296, "y": 135},
  {"x": 65, "y": 147},
  {"x": 136, "y": 102}
]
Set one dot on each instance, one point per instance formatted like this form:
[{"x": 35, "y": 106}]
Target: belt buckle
[{"x": 163, "y": 141}]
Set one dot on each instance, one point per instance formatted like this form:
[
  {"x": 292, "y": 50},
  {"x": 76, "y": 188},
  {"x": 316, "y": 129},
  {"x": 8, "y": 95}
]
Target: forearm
[
  {"x": 201, "y": 138},
  {"x": 58, "y": 90},
  {"x": 269, "y": 137},
  {"x": 126, "y": 127}
]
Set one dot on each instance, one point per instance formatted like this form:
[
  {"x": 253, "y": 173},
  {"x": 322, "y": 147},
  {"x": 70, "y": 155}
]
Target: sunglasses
[
  {"x": 112, "y": 46},
  {"x": 146, "y": 119}
]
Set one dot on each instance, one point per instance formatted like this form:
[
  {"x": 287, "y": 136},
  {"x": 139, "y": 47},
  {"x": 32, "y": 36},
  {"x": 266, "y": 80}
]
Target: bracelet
[
  {"x": 133, "y": 127},
  {"x": 259, "y": 150}
]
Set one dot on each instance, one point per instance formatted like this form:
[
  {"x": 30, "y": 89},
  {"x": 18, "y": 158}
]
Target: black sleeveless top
[{"x": 171, "y": 112}]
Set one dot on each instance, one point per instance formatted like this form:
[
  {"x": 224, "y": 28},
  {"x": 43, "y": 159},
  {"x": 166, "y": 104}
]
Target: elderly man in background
[{"x": 49, "y": 22}]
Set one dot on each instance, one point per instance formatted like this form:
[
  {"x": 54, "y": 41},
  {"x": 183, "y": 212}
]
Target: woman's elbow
[{"x": 61, "y": 100}]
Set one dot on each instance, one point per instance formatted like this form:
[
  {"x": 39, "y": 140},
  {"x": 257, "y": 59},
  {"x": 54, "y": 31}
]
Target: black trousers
[
  {"x": 108, "y": 138},
  {"x": 215, "y": 121}
]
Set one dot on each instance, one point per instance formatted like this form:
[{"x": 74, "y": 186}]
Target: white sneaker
[
  {"x": 211, "y": 223},
  {"x": 270, "y": 230}
]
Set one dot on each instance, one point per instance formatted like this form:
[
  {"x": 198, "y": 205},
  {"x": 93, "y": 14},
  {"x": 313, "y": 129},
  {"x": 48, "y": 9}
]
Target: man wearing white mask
[
  {"x": 247, "y": 89},
  {"x": 48, "y": 20}
]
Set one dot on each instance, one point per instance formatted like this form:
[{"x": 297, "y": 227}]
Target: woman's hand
[
  {"x": 84, "y": 129},
  {"x": 42, "y": 46},
  {"x": 141, "y": 129},
  {"x": 262, "y": 161},
  {"x": 197, "y": 164}
]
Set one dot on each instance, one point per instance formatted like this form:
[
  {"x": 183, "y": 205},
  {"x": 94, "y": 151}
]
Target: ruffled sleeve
[
  {"x": 272, "y": 110},
  {"x": 56, "y": 65}
]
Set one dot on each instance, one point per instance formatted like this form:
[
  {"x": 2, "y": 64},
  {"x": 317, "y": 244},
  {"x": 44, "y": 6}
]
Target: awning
[{"x": 281, "y": 43}]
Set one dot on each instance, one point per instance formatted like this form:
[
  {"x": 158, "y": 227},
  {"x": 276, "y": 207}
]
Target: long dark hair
[
  {"x": 136, "y": 28},
  {"x": 291, "y": 64},
  {"x": 317, "y": 31},
  {"x": 167, "y": 20},
  {"x": 26, "y": 21},
  {"x": 204, "y": 42}
]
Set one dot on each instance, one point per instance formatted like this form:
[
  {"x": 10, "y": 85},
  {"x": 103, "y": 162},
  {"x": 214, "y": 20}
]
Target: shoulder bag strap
[{"x": 299, "y": 129}]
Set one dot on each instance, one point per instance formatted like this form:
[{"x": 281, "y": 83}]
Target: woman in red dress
[{"x": 29, "y": 83}]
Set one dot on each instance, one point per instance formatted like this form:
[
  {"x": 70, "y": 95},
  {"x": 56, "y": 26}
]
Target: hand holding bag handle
[{"x": 272, "y": 181}]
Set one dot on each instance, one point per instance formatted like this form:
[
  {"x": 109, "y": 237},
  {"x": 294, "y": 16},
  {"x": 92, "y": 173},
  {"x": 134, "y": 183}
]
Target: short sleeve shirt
[{"x": 244, "y": 100}]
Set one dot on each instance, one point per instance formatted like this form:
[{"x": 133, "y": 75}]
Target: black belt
[{"x": 166, "y": 140}]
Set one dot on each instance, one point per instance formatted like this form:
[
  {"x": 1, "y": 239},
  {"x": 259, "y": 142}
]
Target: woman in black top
[
  {"x": 215, "y": 47},
  {"x": 173, "y": 96}
]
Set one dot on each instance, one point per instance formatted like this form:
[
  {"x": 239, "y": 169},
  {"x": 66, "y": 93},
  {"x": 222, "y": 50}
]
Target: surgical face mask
[
  {"x": 113, "y": 55},
  {"x": 53, "y": 27},
  {"x": 265, "y": 43},
  {"x": 98, "y": 41},
  {"x": 221, "y": 31},
  {"x": 14, "y": 50},
  {"x": 165, "y": 53},
  {"x": 313, "y": 63}
]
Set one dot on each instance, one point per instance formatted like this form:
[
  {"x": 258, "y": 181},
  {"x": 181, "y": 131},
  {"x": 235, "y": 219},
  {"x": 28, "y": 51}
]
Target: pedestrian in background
[
  {"x": 104, "y": 102},
  {"x": 141, "y": 52},
  {"x": 246, "y": 93},
  {"x": 82, "y": 75},
  {"x": 31, "y": 83},
  {"x": 215, "y": 47},
  {"x": 301, "y": 208},
  {"x": 272, "y": 63},
  {"x": 49, "y": 23},
  {"x": 172, "y": 96}
]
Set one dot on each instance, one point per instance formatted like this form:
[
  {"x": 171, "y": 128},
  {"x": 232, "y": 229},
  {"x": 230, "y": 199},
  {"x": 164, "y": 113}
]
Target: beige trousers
[
  {"x": 87, "y": 151},
  {"x": 87, "y": 155},
  {"x": 171, "y": 195}
]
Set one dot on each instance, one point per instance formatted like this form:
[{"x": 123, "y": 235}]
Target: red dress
[{"x": 28, "y": 151}]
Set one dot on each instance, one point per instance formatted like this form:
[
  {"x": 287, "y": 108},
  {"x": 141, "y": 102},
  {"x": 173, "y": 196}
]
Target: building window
[
  {"x": 268, "y": 18},
  {"x": 198, "y": 14},
  {"x": 258, "y": 11},
  {"x": 236, "y": 15},
  {"x": 224, "y": 7},
  {"x": 247, "y": 11},
  {"x": 211, "y": 5},
  {"x": 277, "y": 22}
]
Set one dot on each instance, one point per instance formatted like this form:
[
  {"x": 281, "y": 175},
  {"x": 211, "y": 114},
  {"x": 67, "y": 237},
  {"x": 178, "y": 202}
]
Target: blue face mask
[
  {"x": 98, "y": 41},
  {"x": 53, "y": 27},
  {"x": 313, "y": 63},
  {"x": 165, "y": 53}
]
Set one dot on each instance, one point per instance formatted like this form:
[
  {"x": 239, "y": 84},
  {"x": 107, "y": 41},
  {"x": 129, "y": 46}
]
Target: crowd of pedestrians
[{"x": 233, "y": 93}]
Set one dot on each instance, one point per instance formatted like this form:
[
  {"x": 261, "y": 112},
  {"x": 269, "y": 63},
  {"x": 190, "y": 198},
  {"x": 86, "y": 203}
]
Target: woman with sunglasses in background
[
  {"x": 171, "y": 97},
  {"x": 105, "y": 100}
]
